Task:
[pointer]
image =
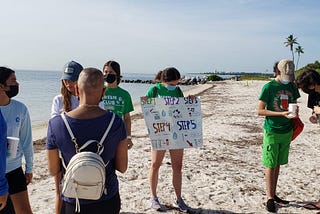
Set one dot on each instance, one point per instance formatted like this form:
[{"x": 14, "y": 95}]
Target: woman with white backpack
[{"x": 87, "y": 125}]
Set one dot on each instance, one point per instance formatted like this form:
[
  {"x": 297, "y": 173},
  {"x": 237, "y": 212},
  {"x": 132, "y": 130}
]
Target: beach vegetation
[
  {"x": 315, "y": 66},
  {"x": 214, "y": 77},
  {"x": 290, "y": 42},
  {"x": 299, "y": 51},
  {"x": 256, "y": 77}
]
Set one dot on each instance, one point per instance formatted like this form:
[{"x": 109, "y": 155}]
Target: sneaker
[
  {"x": 271, "y": 207},
  {"x": 182, "y": 206},
  {"x": 155, "y": 204},
  {"x": 280, "y": 201}
]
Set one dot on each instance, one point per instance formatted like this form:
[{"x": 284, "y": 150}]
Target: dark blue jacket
[{"x": 3, "y": 156}]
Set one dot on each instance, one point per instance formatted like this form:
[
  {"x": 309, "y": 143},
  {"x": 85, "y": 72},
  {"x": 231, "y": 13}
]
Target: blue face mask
[
  {"x": 284, "y": 82},
  {"x": 171, "y": 87}
]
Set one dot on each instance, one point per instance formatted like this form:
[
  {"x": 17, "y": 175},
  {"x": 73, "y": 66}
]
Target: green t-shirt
[
  {"x": 162, "y": 91},
  {"x": 277, "y": 97},
  {"x": 118, "y": 101}
]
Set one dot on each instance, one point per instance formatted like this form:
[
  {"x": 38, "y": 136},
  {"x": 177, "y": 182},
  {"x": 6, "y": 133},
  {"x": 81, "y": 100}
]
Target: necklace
[{"x": 88, "y": 105}]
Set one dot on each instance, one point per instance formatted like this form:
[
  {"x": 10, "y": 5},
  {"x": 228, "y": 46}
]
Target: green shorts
[{"x": 275, "y": 148}]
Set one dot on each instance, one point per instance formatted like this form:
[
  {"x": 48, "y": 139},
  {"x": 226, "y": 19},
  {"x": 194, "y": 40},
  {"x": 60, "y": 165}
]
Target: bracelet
[{"x": 129, "y": 137}]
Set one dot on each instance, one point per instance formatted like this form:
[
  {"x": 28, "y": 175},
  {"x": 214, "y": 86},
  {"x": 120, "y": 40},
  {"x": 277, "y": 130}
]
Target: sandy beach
[{"x": 225, "y": 175}]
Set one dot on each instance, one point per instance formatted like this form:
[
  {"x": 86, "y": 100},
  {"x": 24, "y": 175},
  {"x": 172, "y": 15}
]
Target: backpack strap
[
  {"x": 73, "y": 139},
  {"x": 100, "y": 144}
]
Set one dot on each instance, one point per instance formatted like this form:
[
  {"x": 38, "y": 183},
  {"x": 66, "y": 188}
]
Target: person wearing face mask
[
  {"x": 309, "y": 82},
  {"x": 116, "y": 99},
  {"x": 273, "y": 103},
  {"x": 65, "y": 102},
  {"x": 18, "y": 122},
  {"x": 166, "y": 86}
]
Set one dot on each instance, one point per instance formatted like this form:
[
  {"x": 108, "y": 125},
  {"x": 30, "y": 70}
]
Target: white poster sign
[{"x": 173, "y": 123}]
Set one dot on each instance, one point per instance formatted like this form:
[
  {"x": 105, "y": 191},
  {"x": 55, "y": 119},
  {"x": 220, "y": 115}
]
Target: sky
[{"x": 145, "y": 36}]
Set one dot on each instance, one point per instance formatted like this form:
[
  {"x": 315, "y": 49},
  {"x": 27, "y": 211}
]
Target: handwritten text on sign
[{"x": 173, "y": 123}]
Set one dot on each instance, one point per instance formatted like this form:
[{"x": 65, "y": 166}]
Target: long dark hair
[
  {"x": 66, "y": 97},
  {"x": 306, "y": 79}
]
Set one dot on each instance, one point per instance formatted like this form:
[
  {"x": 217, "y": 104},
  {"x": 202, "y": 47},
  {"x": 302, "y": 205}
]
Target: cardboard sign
[{"x": 173, "y": 123}]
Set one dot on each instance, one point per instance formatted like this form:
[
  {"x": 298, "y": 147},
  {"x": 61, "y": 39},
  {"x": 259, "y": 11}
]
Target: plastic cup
[
  {"x": 292, "y": 109},
  {"x": 12, "y": 147}
]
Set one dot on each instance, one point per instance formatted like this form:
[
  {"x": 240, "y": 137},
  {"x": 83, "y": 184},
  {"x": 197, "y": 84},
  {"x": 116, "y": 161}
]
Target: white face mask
[
  {"x": 284, "y": 82},
  {"x": 171, "y": 87}
]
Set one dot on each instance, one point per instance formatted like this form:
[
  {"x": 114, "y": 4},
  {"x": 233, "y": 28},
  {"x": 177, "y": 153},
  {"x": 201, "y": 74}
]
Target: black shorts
[
  {"x": 17, "y": 181},
  {"x": 111, "y": 206}
]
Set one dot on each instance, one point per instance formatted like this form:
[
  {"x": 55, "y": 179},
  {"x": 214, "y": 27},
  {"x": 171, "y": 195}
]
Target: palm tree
[
  {"x": 290, "y": 42},
  {"x": 299, "y": 50}
]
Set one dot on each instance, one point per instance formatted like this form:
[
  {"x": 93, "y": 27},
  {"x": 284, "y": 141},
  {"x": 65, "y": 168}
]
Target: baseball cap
[
  {"x": 286, "y": 68},
  {"x": 71, "y": 71}
]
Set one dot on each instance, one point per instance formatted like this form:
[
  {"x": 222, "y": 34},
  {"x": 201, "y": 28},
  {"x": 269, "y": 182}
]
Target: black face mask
[
  {"x": 110, "y": 78},
  {"x": 14, "y": 90}
]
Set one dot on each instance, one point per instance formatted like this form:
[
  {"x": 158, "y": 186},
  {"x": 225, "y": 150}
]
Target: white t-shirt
[{"x": 57, "y": 105}]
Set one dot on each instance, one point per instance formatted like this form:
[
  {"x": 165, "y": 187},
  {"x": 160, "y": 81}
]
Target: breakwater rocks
[{"x": 184, "y": 81}]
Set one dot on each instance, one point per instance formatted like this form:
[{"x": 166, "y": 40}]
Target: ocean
[{"x": 37, "y": 89}]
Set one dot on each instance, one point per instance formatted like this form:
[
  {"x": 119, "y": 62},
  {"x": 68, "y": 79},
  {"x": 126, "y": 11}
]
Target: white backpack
[{"x": 85, "y": 174}]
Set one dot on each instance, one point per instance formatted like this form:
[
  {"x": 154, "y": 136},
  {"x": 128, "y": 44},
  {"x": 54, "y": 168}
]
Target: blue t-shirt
[
  {"x": 88, "y": 129},
  {"x": 3, "y": 155},
  {"x": 18, "y": 122}
]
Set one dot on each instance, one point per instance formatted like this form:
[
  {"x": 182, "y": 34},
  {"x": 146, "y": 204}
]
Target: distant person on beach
[
  {"x": 278, "y": 126},
  {"x": 309, "y": 82},
  {"x": 88, "y": 121},
  {"x": 3, "y": 155},
  {"x": 166, "y": 86},
  {"x": 116, "y": 99},
  {"x": 65, "y": 102},
  {"x": 18, "y": 122}
]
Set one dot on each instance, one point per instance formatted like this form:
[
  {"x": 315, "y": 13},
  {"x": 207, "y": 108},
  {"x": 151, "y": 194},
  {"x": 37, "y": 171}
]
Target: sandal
[
  {"x": 311, "y": 206},
  {"x": 280, "y": 201}
]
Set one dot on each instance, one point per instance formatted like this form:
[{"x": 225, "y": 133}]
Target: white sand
[{"x": 225, "y": 175}]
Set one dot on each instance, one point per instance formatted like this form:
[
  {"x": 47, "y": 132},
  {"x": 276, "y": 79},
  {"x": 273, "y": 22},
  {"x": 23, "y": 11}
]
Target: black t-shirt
[{"x": 313, "y": 99}]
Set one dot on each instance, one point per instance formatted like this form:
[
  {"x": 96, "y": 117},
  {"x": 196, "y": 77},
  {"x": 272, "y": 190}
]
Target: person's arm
[
  {"x": 262, "y": 111},
  {"x": 3, "y": 180},
  {"x": 58, "y": 203},
  {"x": 121, "y": 158},
  {"x": 3, "y": 157},
  {"x": 127, "y": 121},
  {"x": 53, "y": 162},
  {"x": 25, "y": 137}
]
